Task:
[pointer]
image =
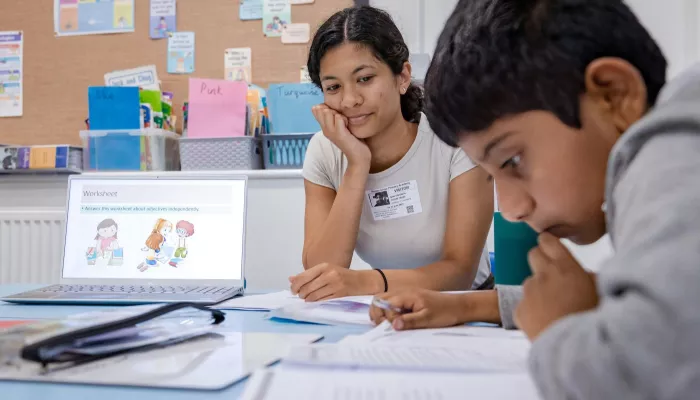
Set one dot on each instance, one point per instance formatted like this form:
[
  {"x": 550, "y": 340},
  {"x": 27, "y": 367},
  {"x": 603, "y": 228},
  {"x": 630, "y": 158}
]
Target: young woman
[{"x": 377, "y": 179}]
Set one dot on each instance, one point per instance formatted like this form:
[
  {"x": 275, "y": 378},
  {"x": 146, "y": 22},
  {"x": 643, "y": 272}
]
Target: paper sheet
[
  {"x": 290, "y": 107},
  {"x": 304, "y": 76},
  {"x": 343, "y": 311},
  {"x": 237, "y": 65},
  {"x": 163, "y": 18},
  {"x": 250, "y": 10},
  {"x": 261, "y": 302},
  {"x": 471, "y": 355},
  {"x": 79, "y": 17},
  {"x": 384, "y": 334},
  {"x": 217, "y": 108},
  {"x": 11, "y": 74},
  {"x": 296, "y": 33},
  {"x": 181, "y": 53},
  {"x": 145, "y": 77},
  {"x": 311, "y": 383},
  {"x": 276, "y": 14}
]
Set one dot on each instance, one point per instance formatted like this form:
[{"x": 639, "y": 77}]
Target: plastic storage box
[
  {"x": 285, "y": 151},
  {"x": 235, "y": 153},
  {"x": 130, "y": 150}
]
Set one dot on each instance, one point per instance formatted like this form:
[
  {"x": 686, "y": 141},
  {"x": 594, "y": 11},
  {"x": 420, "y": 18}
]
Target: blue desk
[{"x": 238, "y": 321}]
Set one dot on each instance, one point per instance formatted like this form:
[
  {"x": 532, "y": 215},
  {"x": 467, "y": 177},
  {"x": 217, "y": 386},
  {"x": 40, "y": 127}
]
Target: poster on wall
[
  {"x": 93, "y": 17},
  {"x": 237, "y": 65},
  {"x": 163, "y": 18},
  {"x": 181, "y": 53},
  {"x": 11, "y": 74},
  {"x": 276, "y": 14}
]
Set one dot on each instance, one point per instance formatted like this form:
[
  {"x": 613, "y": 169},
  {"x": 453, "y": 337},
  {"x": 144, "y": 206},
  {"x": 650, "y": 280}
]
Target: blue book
[
  {"x": 114, "y": 108},
  {"x": 290, "y": 107}
]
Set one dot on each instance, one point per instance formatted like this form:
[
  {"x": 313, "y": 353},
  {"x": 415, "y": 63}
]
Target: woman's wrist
[
  {"x": 372, "y": 282},
  {"x": 356, "y": 175},
  {"x": 478, "y": 306}
]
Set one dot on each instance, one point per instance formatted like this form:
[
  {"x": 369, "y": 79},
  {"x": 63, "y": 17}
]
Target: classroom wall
[
  {"x": 673, "y": 23},
  {"x": 58, "y": 70}
]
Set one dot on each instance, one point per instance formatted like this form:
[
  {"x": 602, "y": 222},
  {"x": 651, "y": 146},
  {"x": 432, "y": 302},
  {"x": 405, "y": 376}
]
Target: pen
[{"x": 385, "y": 305}]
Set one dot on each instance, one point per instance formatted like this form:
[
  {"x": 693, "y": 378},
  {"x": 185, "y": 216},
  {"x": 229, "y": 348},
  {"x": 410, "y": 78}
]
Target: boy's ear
[{"x": 618, "y": 88}]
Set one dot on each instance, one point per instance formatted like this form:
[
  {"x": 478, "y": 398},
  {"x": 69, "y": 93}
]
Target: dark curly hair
[{"x": 374, "y": 29}]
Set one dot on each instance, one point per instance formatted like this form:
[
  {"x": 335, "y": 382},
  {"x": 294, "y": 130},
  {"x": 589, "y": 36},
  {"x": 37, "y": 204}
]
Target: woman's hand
[
  {"x": 335, "y": 128},
  {"x": 327, "y": 281}
]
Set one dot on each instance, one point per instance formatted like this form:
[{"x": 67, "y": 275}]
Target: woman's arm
[
  {"x": 469, "y": 214},
  {"x": 332, "y": 220}
]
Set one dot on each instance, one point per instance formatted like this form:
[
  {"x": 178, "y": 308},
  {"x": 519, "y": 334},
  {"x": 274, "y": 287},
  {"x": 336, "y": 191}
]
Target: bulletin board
[{"x": 59, "y": 70}]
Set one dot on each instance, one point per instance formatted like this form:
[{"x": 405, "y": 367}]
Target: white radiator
[{"x": 31, "y": 246}]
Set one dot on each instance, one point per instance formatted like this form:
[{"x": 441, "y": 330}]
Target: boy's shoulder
[
  {"x": 659, "y": 152},
  {"x": 675, "y": 112}
]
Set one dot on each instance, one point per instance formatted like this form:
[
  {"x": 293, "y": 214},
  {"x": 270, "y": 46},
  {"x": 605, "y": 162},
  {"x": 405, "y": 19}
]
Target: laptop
[{"x": 138, "y": 239}]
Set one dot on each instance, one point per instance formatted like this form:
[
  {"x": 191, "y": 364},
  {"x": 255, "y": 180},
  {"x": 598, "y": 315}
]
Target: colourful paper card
[
  {"x": 250, "y": 10},
  {"x": 163, "y": 18},
  {"x": 217, "y": 108},
  {"x": 181, "y": 53},
  {"x": 276, "y": 14},
  {"x": 113, "y": 107},
  {"x": 290, "y": 107}
]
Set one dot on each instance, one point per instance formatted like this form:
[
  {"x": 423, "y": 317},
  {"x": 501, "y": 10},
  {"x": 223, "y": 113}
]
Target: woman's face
[{"x": 362, "y": 88}]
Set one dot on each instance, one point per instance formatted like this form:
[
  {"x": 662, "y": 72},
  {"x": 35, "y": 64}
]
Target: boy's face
[
  {"x": 552, "y": 176},
  {"x": 548, "y": 174}
]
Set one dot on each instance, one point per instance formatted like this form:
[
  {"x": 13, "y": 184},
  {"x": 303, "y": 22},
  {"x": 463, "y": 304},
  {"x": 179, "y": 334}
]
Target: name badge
[{"x": 396, "y": 201}]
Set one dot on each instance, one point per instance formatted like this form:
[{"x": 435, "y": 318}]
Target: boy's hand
[
  {"x": 558, "y": 287},
  {"x": 426, "y": 309}
]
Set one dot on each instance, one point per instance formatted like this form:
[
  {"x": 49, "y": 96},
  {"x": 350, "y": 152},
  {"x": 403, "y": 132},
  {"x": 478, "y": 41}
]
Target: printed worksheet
[
  {"x": 81, "y": 17},
  {"x": 11, "y": 74}
]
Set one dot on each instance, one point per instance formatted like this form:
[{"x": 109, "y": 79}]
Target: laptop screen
[{"x": 155, "y": 229}]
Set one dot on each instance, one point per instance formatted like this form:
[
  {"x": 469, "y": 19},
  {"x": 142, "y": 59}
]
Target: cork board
[{"x": 58, "y": 70}]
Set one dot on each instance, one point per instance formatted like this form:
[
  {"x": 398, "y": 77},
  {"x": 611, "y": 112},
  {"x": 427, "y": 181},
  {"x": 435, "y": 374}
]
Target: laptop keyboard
[{"x": 136, "y": 289}]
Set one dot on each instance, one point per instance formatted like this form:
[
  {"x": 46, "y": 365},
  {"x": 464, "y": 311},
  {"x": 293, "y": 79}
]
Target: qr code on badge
[{"x": 409, "y": 209}]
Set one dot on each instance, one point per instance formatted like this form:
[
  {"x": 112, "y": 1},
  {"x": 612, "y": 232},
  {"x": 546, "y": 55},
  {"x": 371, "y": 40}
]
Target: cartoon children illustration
[
  {"x": 184, "y": 229},
  {"x": 106, "y": 237},
  {"x": 121, "y": 23},
  {"x": 162, "y": 28},
  {"x": 276, "y": 25},
  {"x": 155, "y": 242},
  {"x": 106, "y": 244}
]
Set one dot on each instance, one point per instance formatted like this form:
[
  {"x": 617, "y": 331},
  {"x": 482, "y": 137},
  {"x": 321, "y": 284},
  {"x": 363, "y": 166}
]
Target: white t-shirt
[{"x": 405, "y": 208}]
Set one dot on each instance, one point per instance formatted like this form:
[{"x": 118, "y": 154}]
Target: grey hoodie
[{"x": 643, "y": 340}]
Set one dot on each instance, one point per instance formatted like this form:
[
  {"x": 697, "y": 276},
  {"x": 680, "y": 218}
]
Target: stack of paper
[
  {"x": 344, "y": 311},
  {"x": 464, "y": 348},
  {"x": 284, "y": 305},
  {"x": 291, "y": 384},
  {"x": 261, "y": 302},
  {"x": 448, "y": 363}
]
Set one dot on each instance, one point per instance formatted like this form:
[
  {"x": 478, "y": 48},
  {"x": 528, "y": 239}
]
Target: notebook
[{"x": 135, "y": 239}]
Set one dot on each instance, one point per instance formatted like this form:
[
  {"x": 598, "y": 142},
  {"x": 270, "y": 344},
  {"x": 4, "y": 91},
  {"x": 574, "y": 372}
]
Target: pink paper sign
[{"x": 217, "y": 108}]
